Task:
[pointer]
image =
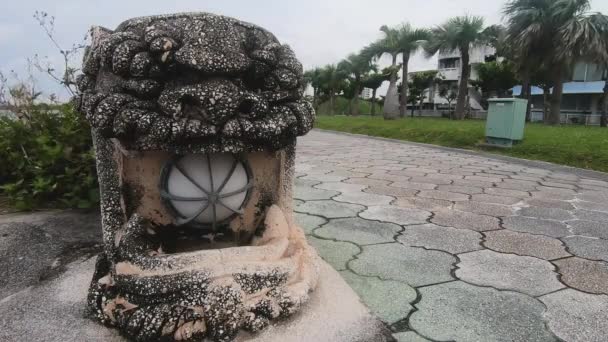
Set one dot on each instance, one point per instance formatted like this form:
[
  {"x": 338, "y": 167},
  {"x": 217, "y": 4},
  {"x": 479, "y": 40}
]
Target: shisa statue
[{"x": 195, "y": 119}]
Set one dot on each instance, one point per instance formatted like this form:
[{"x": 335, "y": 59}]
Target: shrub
[{"x": 47, "y": 161}]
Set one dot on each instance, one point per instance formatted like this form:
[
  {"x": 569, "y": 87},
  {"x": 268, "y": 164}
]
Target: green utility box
[{"x": 506, "y": 121}]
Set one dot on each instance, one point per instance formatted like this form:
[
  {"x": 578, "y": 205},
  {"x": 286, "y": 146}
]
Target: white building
[
  {"x": 366, "y": 93},
  {"x": 449, "y": 68}
]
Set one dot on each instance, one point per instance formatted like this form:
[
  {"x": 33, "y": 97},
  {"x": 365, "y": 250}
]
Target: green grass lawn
[{"x": 579, "y": 146}]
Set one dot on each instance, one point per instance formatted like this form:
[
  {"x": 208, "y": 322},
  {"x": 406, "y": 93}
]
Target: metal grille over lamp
[{"x": 205, "y": 189}]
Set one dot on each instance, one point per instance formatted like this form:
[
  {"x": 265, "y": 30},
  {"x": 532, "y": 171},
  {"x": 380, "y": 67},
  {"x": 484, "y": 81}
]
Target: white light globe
[{"x": 209, "y": 172}]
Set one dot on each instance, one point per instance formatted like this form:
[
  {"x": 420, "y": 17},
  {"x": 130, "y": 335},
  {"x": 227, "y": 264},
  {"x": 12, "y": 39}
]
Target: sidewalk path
[{"x": 450, "y": 246}]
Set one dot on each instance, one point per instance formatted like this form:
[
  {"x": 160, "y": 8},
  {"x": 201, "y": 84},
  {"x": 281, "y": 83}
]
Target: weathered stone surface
[
  {"x": 364, "y": 198},
  {"x": 470, "y": 190},
  {"x": 409, "y": 336},
  {"x": 576, "y": 316},
  {"x": 590, "y": 228},
  {"x": 543, "y": 247},
  {"x": 330, "y": 209},
  {"x": 535, "y": 226},
  {"x": 309, "y": 222},
  {"x": 481, "y": 208},
  {"x": 359, "y": 231},
  {"x": 584, "y": 275},
  {"x": 594, "y": 206},
  {"x": 588, "y": 248},
  {"x": 414, "y": 185},
  {"x": 457, "y": 311},
  {"x": 340, "y": 187},
  {"x": 367, "y": 181},
  {"x": 335, "y": 253},
  {"x": 546, "y": 213},
  {"x": 464, "y": 220},
  {"x": 389, "y": 300},
  {"x": 451, "y": 240},
  {"x": 495, "y": 199},
  {"x": 414, "y": 266},
  {"x": 307, "y": 193},
  {"x": 547, "y": 203},
  {"x": 443, "y": 195},
  {"x": 391, "y": 191},
  {"x": 427, "y": 204},
  {"x": 591, "y": 215},
  {"x": 507, "y": 192},
  {"x": 401, "y": 216},
  {"x": 508, "y": 272}
]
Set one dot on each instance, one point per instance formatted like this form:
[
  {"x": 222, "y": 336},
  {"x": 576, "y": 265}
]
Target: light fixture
[{"x": 205, "y": 189}]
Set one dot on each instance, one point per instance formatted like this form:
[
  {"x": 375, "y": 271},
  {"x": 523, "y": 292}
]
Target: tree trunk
[
  {"x": 604, "y": 104},
  {"x": 556, "y": 98},
  {"x": 420, "y": 105},
  {"x": 391, "y": 102},
  {"x": 463, "y": 86},
  {"x": 525, "y": 93},
  {"x": 546, "y": 103},
  {"x": 404, "y": 85},
  {"x": 331, "y": 103},
  {"x": 374, "y": 101},
  {"x": 355, "y": 109}
]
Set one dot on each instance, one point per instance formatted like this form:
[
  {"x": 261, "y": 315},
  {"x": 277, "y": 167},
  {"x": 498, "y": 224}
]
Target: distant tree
[
  {"x": 373, "y": 81},
  {"x": 459, "y": 34},
  {"x": 356, "y": 67},
  {"x": 450, "y": 93},
  {"x": 495, "y": 78},
  {"x": 552, "y": 35},
  {"x": 313, "y": 77},
  {"x": 403, "y": 40},
  {"x": 419, "y": 82},
  {"x": 332, "y": 81}
]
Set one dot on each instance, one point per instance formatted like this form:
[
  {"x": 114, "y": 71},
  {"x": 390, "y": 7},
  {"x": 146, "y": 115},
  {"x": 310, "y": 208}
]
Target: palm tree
[
  {"x": 458, "y": 34},
  {"x": 405, "y": 41},
  {"x": 313, "y": 77},
  {"x": 332, "y": 81},
  {"x": 587, "y": 37},
  {"x": 356, "y": 66},
  {"x": 373, "y": 82},
  {"x": 549, "y": 35}
]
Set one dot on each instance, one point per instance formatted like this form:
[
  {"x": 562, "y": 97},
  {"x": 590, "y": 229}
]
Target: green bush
[{"x": 47, "y": 161}]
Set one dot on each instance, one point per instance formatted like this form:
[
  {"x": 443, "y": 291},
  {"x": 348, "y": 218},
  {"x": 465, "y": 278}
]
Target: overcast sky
[{"x": 320, "y": 31}]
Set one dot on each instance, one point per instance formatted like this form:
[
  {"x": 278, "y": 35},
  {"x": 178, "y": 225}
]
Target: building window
[{"x": 449, "y": 63}]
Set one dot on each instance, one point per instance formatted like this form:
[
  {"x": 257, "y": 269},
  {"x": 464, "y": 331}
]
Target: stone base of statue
[{"x": 53, "y": 311}]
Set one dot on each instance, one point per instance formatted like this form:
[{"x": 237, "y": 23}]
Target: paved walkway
[{"x": 449, "y": 246}]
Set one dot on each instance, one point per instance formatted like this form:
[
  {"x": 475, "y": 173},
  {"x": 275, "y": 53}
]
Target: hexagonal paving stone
[
  {"x": 307, "y": 193},
  {"x": 367, "y": 181},
  {"x": 422, "y": 203},
  {"x": 391, "y": 191},
  {"x": 589, "y": 215},
  {"x": 451, "y": 240},
  {"x": 364, "y": 198},
  {"x": 464, "y": 220},
  {"x": 590, "y": 228},
  {"x": 359, "y": 231},
  {"x": 414, "y": 266},
  {"x": 539, "y": 246},
  {"x": 576, "y": 316},
  {"x": 586, "y": 247},
  {"x": 457, "y": 311},
  {"x": 594, "y": 196},
  {"x": 323, "y": 177},
  {"x": 340, "y": 187},
  {"x": 509, "y": 272},
  {"x": 495, "y": 199},
  {"x": 470, "y": 190},
  {"x": 402, "y": 216},
  {"x": 594, "y": 206},
  {"x": 336, "y": 253},
  {"x": 507, "y": 192},
  {"x": 481, "y": 208},
  {"x": 414, "y": 185},
  {"x": 390, "y": 300},
  {"x": 329, "y": 209},
  {"x": 584, "y": 275},
  {"x": 535, "y": 226},
  {"x": 546, "y": 213},
  {"x": 547, "y": 203},
  {"x": 409, "y": 336},
  {"x": 308, "y": 222},
  {"x": 443, "y": 195}
]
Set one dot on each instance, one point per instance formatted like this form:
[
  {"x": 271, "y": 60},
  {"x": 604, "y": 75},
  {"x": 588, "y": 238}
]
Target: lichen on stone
[{"x": 193, "y": 83}]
